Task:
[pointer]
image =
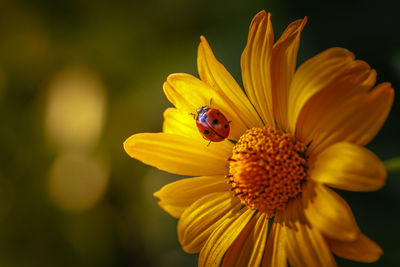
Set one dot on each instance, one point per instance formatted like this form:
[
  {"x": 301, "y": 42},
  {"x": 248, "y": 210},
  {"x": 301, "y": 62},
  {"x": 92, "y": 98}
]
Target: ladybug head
[{"x": 202, "y": 109}]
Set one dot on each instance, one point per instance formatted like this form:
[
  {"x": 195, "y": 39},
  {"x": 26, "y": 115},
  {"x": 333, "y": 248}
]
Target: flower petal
[
  {"x": 349, "y": 167},
  {"x": 188, "y": 93},
  {"x": 214, "y": 73},
  {"x": 177, "y": 154},
  {"x": 203, "y": 217},
  {"x": 305, "y": 245},
  {"x": 283, "y": 65},
  {"x": 330, "y": 100},
  {"x": 328, "y": 119},
  {"x": 255, "y": 63},
  {"x": 248, "y": 248},
  {"x": 362, "y": 249},
  {"x": 315, "y": 75},
  {"x": 275, "y": 254},
  {"x": 222, "y": 238},
  {"x": 329, "y": 213},
  {"x": 180, "y": 123},
  {"x": 179, "y": 195}
]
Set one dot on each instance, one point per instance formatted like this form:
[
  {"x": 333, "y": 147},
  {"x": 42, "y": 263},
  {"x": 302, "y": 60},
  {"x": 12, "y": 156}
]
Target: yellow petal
[
  {"x": 275, "y": 254},
  {"x": 248, "y": 248},
  {"x": 214, "y": 73},
  {"x": 177, "y": 196},
  {"x": 283, "y": 65},
  {"x": 349, "y": 167},
  {"x": 305, "y": 245},
  {"x": 188, "y": 93},
  {"x": 329, "y": 213},
  {"x": 180, "y": 123},
  {"x": 203, "y": 217},
  {"x": 177, "y": 154},
  {"x": 222, "y": 238},
  {"x": 362, "y": 249},
  {"x": 328, "y": 118},
  {"x": 255, "y": 63},
  {"x": 331, "y": 100},
  {"x": 329, "y": 70}
]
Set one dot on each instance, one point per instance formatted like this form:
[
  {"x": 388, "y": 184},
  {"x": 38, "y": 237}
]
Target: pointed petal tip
[
  {"x": 301, "y": 24},
  {"x": 260, "y": 14},
  {"x": 387, "y": 86},
  {"x": 124, "y": 144},
  {"x": 174, "y": 76},
  {"x": 263, "y": 13},
  {"x": 157, "y": 194},
  {"x": 373, "y": 256},
  {"x": 329, "y": 213},
  {"x": 335, "y": 51},
  {"x": 129, "y": 145},
  {"x": 203, "y": 44},
  {"x": 361, "y": 250},
  {"x": 172, "y": 79}
]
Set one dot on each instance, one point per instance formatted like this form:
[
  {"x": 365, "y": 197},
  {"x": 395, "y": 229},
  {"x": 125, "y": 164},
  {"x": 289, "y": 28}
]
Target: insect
[{"x": 212, "y": 124}]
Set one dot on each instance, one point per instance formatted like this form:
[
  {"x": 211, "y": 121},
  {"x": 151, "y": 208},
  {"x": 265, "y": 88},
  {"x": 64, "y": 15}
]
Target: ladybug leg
[
  {"x": 194, "y": 115},
  {"x": 207, "y": 140},
  {"x": 210, "y": 102},
  {"x": 229, "y": 121}
]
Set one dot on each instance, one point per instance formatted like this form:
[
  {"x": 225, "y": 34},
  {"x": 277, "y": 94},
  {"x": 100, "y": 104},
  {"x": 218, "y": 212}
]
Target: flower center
[{"x": 267, "y": 169}]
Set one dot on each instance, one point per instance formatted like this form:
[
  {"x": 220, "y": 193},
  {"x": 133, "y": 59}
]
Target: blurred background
[{"x": 78, "y": 77}]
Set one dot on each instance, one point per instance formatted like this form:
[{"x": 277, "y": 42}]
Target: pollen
[{"x": 267, "y": 169}]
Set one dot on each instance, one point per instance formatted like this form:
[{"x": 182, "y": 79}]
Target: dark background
[{"x": 79, "y": 77}]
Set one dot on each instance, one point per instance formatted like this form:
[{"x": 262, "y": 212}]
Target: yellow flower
[{"x": 296, "y": 134}]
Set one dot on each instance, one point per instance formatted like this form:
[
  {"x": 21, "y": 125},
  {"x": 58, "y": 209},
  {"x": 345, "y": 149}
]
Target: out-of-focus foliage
[{"x": 78, "y": 77}]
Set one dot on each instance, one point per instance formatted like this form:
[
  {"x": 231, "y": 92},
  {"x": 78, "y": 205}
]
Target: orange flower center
[{"x": 267, "y": 169}]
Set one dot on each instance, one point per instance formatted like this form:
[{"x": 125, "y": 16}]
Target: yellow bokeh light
[
  {"x": 75, "y": 109},
  {"x": 77, "y": 182}
]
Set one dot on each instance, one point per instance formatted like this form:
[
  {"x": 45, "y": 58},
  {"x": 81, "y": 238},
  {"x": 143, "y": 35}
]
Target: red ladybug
[{"x": 212, "y": 124}]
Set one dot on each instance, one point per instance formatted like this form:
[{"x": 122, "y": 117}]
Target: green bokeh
[{"x": 133, "y": 46}]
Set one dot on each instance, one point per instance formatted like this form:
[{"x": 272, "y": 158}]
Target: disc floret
[{"x": 267, "y": 169}]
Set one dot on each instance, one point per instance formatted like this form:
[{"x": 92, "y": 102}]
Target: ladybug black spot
[
  {"x": 206, "y": 131},
  {"x": 214, "y": 122},
  {"x": 226, "y": 126}
]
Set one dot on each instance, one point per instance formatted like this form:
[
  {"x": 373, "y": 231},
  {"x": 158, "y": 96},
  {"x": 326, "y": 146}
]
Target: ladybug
[{"x": 212, "y": 124}]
